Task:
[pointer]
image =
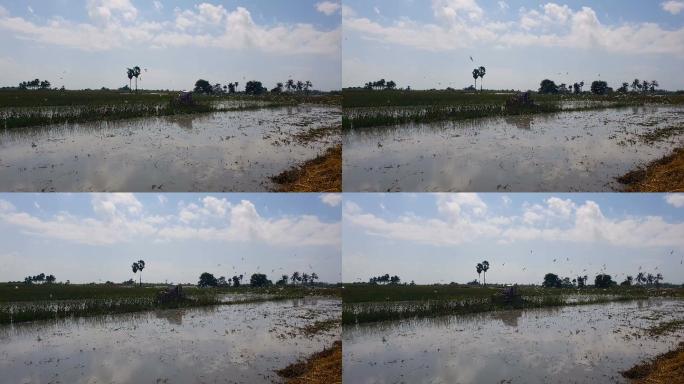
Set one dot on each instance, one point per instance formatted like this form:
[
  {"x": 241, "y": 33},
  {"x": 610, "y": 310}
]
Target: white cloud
[
  {"x": 503, "y": 5},
  {"x": 158, "y": 5},
  {"x": 120, "y": 218},
  {"x": 328, "y": 7},
  {"x": 331, "y": 199},
  {"x": 672, "y": 6},
  {"x": 555, "y": 220},
  {"x": 116, "y": 24},
  {"x": 462, "y": 24},
  {"x": 675, "y": 199}
]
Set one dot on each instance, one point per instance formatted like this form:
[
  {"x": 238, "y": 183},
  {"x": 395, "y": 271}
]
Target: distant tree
[
  {"x": 624, "y": 88},
  {"x": 129, "y": 73},
  {"x": 207, "y": 280},
  {"x": 391, "y": 85},
  {"x": 551, "y": 280},
  {"x": 203, "y": 86},
  {"x": 136, "y": 74},
  {"x": 478, "y": 269},
  {"x": 44, "y": 84},
  {"x": 636, "y": 85},
  {"x": 259, "y": 280},
  {"x": 50, "y": 279},
  {"x": 641, "y": 278},
  {"x": 603, "y": 281},
  {"x": 658, "y": 279},
  {"x": 300, "y": 86},
  {"x": 645, "y": 85},
  {"x": 649, "y": 279},
  {"x": 599, "y": 87},
  {"x": 627, "y": 282},
  {"x": 283, "y": 280},
  {"x": 485, "y": 268},
  {"x": 313, "y": 277},
  {"x": 222, "y": 282},
  {"x": 217, "y": 89},
  {"x": 476, "y": 74},
  {"x": 305, "y": 278},
  {"x": 307, "y": 84},
  {"x": 654, "y": 84},
  {"x": 290, "y": 84},
  {"x": 278, "y": 88},
  {"x": 482, "y": 72},
  {"x": 295, "y": 277},
  {"x": 237, "y": 280},
  {"x": 395, "y": 279},
  {"x": 548, "y": 86},
  {"x": 254, "y": 87},
  {"x": 138, "y": 266}
]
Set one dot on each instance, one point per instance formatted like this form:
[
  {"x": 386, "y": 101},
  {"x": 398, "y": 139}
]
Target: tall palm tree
[
  {"x": 482, "y": 71},
  {"x": 313, "y": 277},
  {"x": 129, "y": 73},
  {"x": 476, "y": 74},
  {"x": 640, "y": 278},
  {"x": 136, "y": 74},
  {"x": 138, "y": 266},
  {"x": 485, "y": 264},
  {"x": 636, "y": 85},
  {"x": 478, "y": 268},
  {"x": 295, "y": 277},
  {"x": 290, "y": 84}
]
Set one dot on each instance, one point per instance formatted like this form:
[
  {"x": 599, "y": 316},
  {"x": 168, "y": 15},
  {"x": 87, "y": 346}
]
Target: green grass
[
  {"x": 370, "y": 303},
  {"x": 20, "y": 302},
  {"x": 37, "y": 108},
  {"x": 364, "y": 109}
]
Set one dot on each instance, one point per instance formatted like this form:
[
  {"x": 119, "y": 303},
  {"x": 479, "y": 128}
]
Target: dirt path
[
  {"x": 322, "y": 367},
  {"x": 322, "y": 174},
  {"x": 666, "y": 368},
  {"x": 663, "y": 175}
]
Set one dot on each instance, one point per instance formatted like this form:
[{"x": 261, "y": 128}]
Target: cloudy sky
[
  {"x": 428, "y": 43},
  {"x": 96, "y": 237},
  {"x": 90, "y": 43},
  {"x": 433, "y": 238}
]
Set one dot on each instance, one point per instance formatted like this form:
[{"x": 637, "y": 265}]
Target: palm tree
[
  {"x": 476, "y": 74},
  {"x": 640, "y": 278},
  {"x": 313, "y": 277},
  {"x": 654, "y": 85},
  {"x": 305, "y": 278},
  {"x": 658, "y": 278},
  {"x": 485, "y": 264},
  {"x": 138, "y": 266},
  {"x": 478, "y": 268},
  {"x": 290, "y": 84},
  {"x": 482, "y": 71},
  {"x": 136, "y": 74},
  {"x": 307, "y": 84},
  {"x": 129, "y": 73},
  {"x": 295, "y": 277},
  {"x": 300, "y": 85},
  {"x": 636, "y": 85}
]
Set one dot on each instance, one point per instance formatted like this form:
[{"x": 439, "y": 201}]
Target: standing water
[
  {"x": 241, "y": 343},
  {"x": 561, "y": 152},
  {"x": 581, "y": 344},
  {"x": 222, "y": 151}
]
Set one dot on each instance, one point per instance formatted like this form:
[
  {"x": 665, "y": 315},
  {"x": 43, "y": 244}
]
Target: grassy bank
[
  {"x": 21, "y": 303},
  {"x": 319, "y": 368},
  {"x": 662, "y": 175},
  {"x": 366, "y": 303},
  {"x": 322, "y": 174},
  {"x": 37, "y": 108},
  {"x": 665, "y": 368},
  {"x": 380, "y": 108}
]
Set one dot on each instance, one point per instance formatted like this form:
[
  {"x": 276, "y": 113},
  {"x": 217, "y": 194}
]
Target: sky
[
  {"x": 96, "y": 237},
  {"x": 429, "y": 43},
  {"x": 439, "y": 238},
  {"x": 90, "y": 43}
]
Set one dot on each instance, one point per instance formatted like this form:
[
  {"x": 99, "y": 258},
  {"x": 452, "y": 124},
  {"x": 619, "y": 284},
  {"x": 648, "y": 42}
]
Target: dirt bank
[
  {"x": 663, "y": 175},
  {"x": 322, "y": 367},
  {"x": 665, "y": 368},
  {"x": 322, "y": 174}
]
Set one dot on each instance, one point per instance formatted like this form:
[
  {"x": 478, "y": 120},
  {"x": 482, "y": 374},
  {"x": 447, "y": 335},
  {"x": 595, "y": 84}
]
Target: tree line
[
  {"x": 35, "y": 84},
  {"x": 384, "y": 279},
  {"x": 40, "y": 279},
  {"x": 598, "y": 87},
  {"x": 380, "y": 85},
  {"x": 602, "y": 280},
  {"x": 207, "y": 280},
  {"x": 252, "y": 87}
]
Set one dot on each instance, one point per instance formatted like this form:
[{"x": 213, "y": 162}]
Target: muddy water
[
  {"x": 223, "y": 151},
  {"x": 583, "y": 344},
  {"x": 568, "y": 151},
  {"x": 242, "y": 343}
]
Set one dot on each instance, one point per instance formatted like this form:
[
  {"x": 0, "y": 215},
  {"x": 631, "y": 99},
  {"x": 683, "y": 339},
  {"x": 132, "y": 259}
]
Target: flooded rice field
[
  {"x": 222, "y": 151},
  {"x": 590, "y": 343},
  {"x": 242, "y": 343},
  {"x": 567, "y": 151}
]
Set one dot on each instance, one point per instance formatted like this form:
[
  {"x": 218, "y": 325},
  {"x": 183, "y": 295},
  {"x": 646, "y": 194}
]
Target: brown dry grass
[
  {"x": 663, "y": 175},
  {"x": 666, "y": 368},
  {"x": 322, "y": 174},
  {"x": 322, "y": 367}
]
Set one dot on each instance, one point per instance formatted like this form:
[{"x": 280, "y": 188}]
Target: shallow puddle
[
  {"x": 242, "y": 343},
  {"x": 223, "y": 151},
  {"x": 582, "y": 344},
  {"x": 560, "y": 152}
]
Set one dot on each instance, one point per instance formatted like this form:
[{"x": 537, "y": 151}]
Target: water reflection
[
  {"x": 225, "y": 151},
  {"x": 589, "y": 343},
  {"x": 566, "y": 151},
  {"x": 241, "y": 343}
]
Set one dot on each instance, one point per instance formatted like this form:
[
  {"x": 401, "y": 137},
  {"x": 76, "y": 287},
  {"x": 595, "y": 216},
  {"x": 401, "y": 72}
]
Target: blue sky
[
  {"x": 96, "y": 237},
  {"x": 426, "y": 44},
  {"x": 89, "y": 43},
  {"x": 433, "y": 238}
]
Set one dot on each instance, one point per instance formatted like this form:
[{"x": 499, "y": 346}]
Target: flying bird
[{"x": 471, "y": 59}]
